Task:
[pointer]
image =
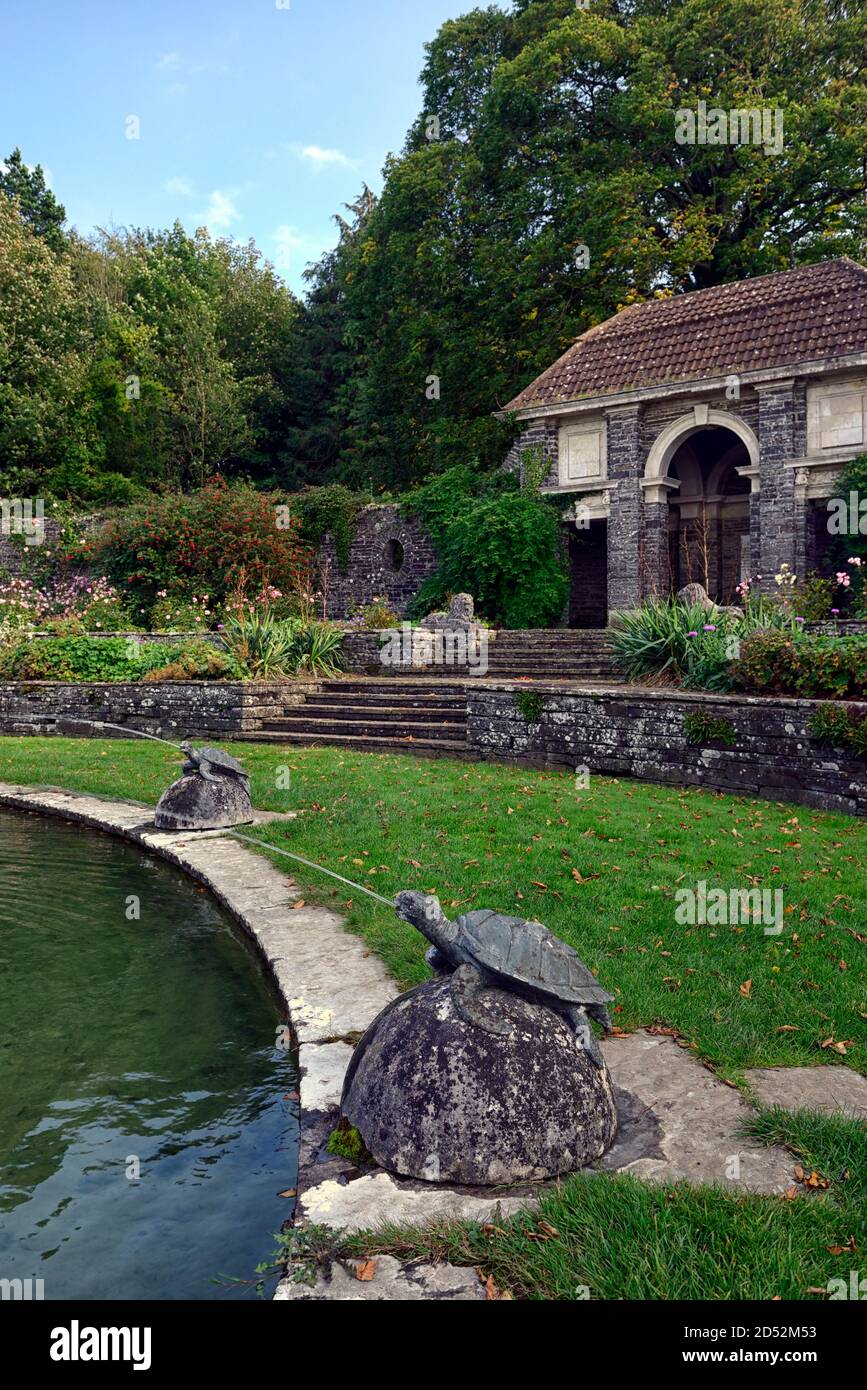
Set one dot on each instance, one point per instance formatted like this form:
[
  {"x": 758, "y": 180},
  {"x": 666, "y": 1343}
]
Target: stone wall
[
  {"x": 390, "y": 557},
  {"x": 170, "y": 708},
  {"x": 16, "y": 558},
  {"x": 642, "y": 735}
]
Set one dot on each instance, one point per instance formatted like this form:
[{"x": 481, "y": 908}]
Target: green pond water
[{"x": 124, "y": 1040}]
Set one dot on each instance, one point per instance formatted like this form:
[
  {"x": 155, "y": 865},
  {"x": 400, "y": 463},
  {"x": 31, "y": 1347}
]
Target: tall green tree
[
  {"x": 543, "y": 186},
  {"x": 38, "y": 205}
]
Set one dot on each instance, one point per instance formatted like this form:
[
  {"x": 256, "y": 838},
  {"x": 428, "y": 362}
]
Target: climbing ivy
[{"x": 333, "y": 508}]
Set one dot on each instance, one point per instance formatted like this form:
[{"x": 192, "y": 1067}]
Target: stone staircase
[
  {"x": 427, "y": 712},
  {"x": 582, "y": 654},
  {"x": 423, "y": 715}
]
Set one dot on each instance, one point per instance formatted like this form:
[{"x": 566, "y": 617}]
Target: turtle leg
[
  {"x": 601, "y": 1014},
  {"x": 204, "y": 771},
  {"x": 578, "y": 1021},
  {"x": 467, "y": 985},
  {"x": 437, "y": 961}
]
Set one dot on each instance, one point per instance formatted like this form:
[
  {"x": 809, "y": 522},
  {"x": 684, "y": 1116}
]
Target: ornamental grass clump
[{"x": 665, "y": 639}]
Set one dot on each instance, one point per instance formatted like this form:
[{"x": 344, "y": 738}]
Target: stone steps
[
  {"x": 431, "y": 729},
  {"x": 426, "y": 716},
  {"x": 437, "y": 746}
]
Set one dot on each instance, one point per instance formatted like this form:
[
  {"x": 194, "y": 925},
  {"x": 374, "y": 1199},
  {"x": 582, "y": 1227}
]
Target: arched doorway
[
  {"x": 709, "y": 512},
  {"x": 697, "y": 483}
]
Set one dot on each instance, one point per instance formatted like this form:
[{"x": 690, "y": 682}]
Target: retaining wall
[
  {"x": 162, "y": 708},
  {"x": 642, "y": 735}
]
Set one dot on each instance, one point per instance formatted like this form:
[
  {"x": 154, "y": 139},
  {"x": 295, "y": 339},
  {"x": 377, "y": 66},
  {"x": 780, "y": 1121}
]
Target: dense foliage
[
  {"x": 83, "y": 659},
  {"x": 495, "y": 542},
  {"x": 812, "y": 666},
  {"x": 206, "y": 543},
  {"x": 540, "y": 189}
]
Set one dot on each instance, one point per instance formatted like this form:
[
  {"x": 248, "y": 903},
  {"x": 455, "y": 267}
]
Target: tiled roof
[{"x": 771, "y": 321}]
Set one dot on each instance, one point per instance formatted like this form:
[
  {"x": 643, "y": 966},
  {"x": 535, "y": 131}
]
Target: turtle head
[
  {"x": 186, "y": 747},
  {"x": 423, "y": 911}
]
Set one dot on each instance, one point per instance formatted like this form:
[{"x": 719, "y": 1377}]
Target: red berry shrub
[{"x": 205, "y": 542}]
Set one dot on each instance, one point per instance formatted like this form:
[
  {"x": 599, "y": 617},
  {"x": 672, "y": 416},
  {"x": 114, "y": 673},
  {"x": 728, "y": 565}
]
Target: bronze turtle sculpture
[
  {"x": 213, "y": 763},
  {"x": 486, "y": 950}
]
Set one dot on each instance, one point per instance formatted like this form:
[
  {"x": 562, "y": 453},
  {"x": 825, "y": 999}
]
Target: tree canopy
[{"x": 542, "y": 187}]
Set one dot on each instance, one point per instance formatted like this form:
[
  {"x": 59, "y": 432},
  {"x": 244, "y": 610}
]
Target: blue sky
[{"x": 257, "y": 118}]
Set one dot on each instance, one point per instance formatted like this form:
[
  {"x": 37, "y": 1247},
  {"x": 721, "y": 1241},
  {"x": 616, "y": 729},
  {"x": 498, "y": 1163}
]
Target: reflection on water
[{"x": 147, "y": 1122}]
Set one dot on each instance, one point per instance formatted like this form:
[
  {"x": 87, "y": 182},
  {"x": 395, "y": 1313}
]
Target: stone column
[
  {"x": 625, "y": 468},
  {"x": 778, "y": 444}
]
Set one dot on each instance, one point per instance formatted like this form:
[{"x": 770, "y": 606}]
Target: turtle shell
[
  {"x": 531, "y": 955},
  {"x": 217, "y": 758}
]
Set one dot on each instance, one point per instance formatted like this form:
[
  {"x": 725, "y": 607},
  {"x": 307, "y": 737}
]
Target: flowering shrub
[
  {"x": 176, "y": 615},
  {"x": 21, "y": 606},
  {"x": 373, "y": 617},
  {"x": 810, "y": 600},
  {"x": 811, "y": 665},
  {"x": 78, "y": 602},
  {"x": 201, "y": 544}
]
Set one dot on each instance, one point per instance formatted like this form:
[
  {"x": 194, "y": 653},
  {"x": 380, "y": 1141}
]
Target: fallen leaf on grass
[
  {"x": 788, "y": 1028},
  {"x": 492, "y": 1292},
  {"x": 848, "y": 1249},
  {"x": 300, "y": 903},
  {"x": 842, "y": 1047},
  {"x": 746, "y": 989},
  {"x": 619, "y": 1033}
]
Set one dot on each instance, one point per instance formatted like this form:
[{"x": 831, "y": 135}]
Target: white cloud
[
  {"x": 320, "y": 158},
  {"x": 221, "y": 211},
  {"x": 180, "y": 187},
  {"x": 168, "y": 62}
]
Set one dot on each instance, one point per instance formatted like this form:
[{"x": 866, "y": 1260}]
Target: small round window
[{"x": 396, "y": 555}]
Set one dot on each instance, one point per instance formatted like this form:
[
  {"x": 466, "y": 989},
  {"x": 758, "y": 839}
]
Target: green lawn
[
  {"x": 601, "y": 868},
  {"x": 620, "y": 1238}
]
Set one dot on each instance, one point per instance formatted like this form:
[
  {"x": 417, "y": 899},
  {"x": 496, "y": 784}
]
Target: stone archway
[
  {"x": 697, "y": 502},
  {"x": 667, "y": 443}
]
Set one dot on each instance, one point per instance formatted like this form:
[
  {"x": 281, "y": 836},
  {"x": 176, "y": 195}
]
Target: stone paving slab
[
  {"x": 829, "y": 1090},
  {"x": 696, "y": 1121},
  {"x": 378, "y": 1198},
  {"x": 391, "y": 1281}
]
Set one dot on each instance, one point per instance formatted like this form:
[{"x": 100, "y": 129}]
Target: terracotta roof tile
[{"x": 771, "y": 321}]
